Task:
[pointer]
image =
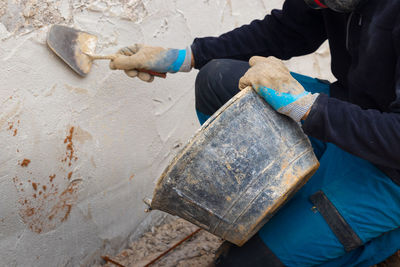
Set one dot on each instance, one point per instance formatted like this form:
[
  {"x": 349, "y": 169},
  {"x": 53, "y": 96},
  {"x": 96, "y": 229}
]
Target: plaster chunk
[
  {"x": 33, "y": 14},
  {"x": 39, "y": 14}
]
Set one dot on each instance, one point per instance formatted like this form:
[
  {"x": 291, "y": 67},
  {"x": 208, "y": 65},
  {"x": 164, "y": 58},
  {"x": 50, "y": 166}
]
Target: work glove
[
  {"x": 138, "y": 57},
  {"x": 272, "y": 80}
]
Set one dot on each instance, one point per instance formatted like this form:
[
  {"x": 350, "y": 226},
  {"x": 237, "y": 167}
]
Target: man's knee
[
  {"x": 217, "y": 82},
  {"x": 207, "y": 72},
  {"x": 209, "y": 78}
]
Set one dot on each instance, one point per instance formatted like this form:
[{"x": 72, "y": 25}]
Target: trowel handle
[
  {"x": 95, "y": 57},
  {"x": 154, "y": 73},
  {"x": 112, "y": 57}
]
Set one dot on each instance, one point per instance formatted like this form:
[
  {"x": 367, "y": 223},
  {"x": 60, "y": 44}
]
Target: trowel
[{"x": 77, "y": 49}]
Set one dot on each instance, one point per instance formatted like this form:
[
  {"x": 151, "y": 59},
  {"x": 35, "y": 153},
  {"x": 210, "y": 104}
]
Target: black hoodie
[{"x": 362, "y": 115}]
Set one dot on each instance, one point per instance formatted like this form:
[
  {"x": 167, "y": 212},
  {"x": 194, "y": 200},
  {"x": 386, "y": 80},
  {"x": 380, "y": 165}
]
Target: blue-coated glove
[
  {"x": 272, "y": 80},
  {"x": 137, "y": 57}
]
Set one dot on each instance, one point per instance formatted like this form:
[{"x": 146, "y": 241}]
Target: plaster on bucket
[{"x": 243, "y": 164}]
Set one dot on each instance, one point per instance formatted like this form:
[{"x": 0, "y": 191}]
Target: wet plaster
[{"x": 78, "y": 155}]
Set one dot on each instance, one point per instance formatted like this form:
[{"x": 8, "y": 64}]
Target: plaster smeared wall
[{"x": 77, "y": 155}]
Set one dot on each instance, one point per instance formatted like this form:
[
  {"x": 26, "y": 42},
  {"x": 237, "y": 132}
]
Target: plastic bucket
[{"x": 243, "y": 164}]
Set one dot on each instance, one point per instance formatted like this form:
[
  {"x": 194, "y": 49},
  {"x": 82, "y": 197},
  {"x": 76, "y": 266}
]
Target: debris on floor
[{"x": 197, "y": 250}]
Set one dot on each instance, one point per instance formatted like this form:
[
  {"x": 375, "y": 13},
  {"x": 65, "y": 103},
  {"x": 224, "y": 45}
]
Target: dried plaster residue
[
  {"x": 32, "y": 14},
  {"x": 25, "y": 15},
  {"x": 43, "y": 206}
]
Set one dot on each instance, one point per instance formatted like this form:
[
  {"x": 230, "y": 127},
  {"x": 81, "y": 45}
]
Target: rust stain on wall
[
  {"x": 13, "y": 128},
  {"x": 25, "y": 162},
  {"x": 45, "y": 203},
  {"x": 51, "y": 177},
  {"x": 43, "y": 210},
  {"x": 69, "y": 154}
]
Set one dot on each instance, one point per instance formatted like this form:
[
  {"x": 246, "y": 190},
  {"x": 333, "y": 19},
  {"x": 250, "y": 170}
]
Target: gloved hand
[
  {"x": 158, "y": 59},
  {"x": 272, "y": 80}
]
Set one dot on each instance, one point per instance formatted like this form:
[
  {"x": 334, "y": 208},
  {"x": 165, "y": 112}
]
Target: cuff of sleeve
[
  {"x": 297, "y": 109},
  {"x": 198, "y": 59},
  {"x": 187, "y": 63},
  {"x": 316, "y": 112},
  {"x": 299, "y": 113}
]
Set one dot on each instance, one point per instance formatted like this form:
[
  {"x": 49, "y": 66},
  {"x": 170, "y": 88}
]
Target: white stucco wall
[{"x": 81, "y": 195}]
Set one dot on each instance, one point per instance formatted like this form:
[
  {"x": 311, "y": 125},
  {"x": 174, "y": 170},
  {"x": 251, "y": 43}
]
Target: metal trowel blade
[{"x": 72, "y": 46}]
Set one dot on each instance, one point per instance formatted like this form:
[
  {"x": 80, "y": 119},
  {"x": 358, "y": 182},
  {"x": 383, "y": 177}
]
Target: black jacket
[{"x": 362, "y": 116}]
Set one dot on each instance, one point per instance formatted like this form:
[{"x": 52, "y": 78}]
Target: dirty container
[{"x": 243, "y": 164}]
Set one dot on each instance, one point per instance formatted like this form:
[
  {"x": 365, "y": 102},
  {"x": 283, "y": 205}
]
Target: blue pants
[{"x": 299, "y": 234}]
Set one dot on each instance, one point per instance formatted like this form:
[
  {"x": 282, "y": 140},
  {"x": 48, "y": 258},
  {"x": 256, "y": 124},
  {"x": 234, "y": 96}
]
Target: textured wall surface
[{"x": 77, "y": 155}]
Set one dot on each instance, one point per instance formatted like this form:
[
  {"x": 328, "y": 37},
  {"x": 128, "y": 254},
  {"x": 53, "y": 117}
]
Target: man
[{"x": 348, "y": 214}]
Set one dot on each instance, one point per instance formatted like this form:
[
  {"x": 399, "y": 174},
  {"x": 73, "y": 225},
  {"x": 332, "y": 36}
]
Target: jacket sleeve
[
  {"x": 293, "y": 31},
  {"x": 368, "y": 134}
]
